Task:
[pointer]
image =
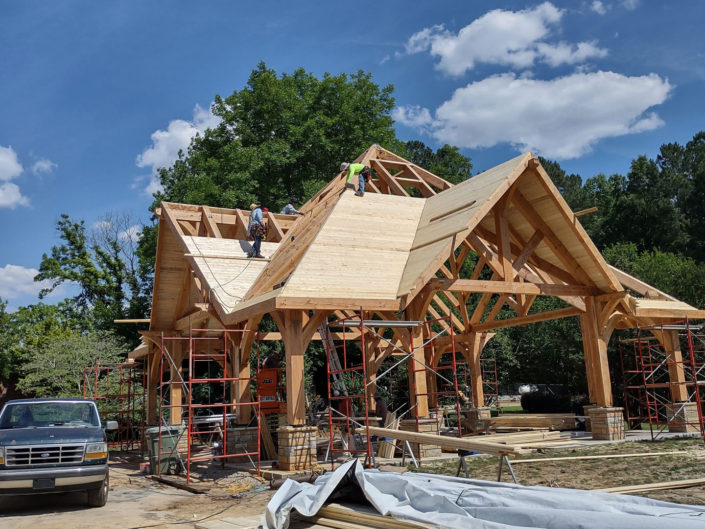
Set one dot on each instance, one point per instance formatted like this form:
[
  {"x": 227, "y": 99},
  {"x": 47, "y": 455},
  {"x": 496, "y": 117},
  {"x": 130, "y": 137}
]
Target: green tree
[
  {"x": 280, "y": 136},
  {"x": 54, "y": 367},
  {"x": 108, "y": 283},
  {"x": 675, "y": 274},
  {"x": 446, "y": 162}
]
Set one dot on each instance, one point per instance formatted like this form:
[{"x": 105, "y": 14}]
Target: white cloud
[
  {"x": 561, "y": 118},
  {"x": 10, "y": 167},
  {"x": 598, "y": 7},
  {"x": 412, "y": 116},
  {"x": 11, "y": 196},
  {"x": 563, "y": 53},
  {"x": 630, "y": 4},
  {"x": 43, "y": 166},
  {"x": 18, "y": 281},
  {"x": 166, "y": 144},
  {"x": 509, "y": 38},
  {"x": 132, "y": 233}
]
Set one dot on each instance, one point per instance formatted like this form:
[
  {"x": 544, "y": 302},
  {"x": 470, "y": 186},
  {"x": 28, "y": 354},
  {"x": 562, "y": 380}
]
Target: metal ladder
[{"x": 333, "y": 358}]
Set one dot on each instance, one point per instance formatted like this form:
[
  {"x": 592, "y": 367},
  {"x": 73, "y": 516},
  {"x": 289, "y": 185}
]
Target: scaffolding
[
  {"x": 651, "y": 377},
  {"x": 120, "y": 391},
  {"x": 350, "y": 377},
  {"x": 213, "y": 427}
]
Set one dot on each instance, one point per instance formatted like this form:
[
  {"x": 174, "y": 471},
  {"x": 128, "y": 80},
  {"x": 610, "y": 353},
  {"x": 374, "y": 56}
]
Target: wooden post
[
  {"x": 676, "y": 373},
  {"x": 595, "y": 349},
  {"x": 152, "y": 387},
  {"x": 418, "y": 394},
  {"x": 176, "y": 388},
  {"x": 471, "y": 347},
  {"x": 295, "y": 346}
]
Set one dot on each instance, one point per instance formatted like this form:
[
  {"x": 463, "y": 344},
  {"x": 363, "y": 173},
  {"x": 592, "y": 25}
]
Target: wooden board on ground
[
  {"x": 604, "y": 456},
  {"x": 472, "y": 445},
  {"x": 343, "y": 517},
  {"x": 662, "y": 485}
]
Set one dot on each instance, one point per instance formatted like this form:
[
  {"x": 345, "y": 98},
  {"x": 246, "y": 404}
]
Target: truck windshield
[{"x": 39, "y": 414}]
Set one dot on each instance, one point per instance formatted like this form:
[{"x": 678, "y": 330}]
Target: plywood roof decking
[
  {"x": 224, "y": 265},
  {"x": 454, "y": 210},
  {"x": 661, "y": 308},
  {"x": 360, "y": 251},
  {"x": 380, "y": 250}
]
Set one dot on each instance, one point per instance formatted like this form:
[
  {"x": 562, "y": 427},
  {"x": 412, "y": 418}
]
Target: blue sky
[{"x": 94, "y": 96}]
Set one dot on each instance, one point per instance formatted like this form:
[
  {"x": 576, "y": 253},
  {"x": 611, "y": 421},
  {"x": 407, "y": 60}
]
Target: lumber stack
[
  {"x": 532, "y": 440},
  {"x": 387, "y": 445},
  {"x": 552, "y": 421},
  {"x": 342, "y": 517},
  {"x": 473, "y": 444}
]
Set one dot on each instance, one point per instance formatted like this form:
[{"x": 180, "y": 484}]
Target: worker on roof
[
  {"x": 359, "y": 169},
  {"x": 290, "y": 208},
  {"x": 256, "y": 230}
]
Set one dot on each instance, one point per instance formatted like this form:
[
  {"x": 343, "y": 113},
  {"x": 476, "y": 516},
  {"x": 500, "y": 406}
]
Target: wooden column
[
  {"x": 295, "y": 346},
  {"x": 676, "y": 374},
  {"x": 417, "y": 375},
  {"x": 152, "y": 386},
  {"x": 176, "y": 388},
  {"x": 471, "y": 347},
  {"x": 595, "y": 349}
]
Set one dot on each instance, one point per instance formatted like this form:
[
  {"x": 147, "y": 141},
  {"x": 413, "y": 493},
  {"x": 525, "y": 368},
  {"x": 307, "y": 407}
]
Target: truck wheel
[{"x": 99, "y": 497}]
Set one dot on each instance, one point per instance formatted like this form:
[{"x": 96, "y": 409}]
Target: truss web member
[{"x": 359, "y": 169}]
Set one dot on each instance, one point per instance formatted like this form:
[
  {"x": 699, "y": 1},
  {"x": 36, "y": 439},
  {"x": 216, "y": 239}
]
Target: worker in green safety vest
[{"x": 359, "y": 169}]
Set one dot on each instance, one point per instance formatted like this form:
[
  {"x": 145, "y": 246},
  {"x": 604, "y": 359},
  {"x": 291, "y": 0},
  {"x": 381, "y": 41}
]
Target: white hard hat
[{"x": 344, "y": 166}]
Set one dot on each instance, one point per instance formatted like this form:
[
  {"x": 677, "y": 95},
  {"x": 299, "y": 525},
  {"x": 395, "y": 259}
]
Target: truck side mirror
[{"x": 111, "y": 425}]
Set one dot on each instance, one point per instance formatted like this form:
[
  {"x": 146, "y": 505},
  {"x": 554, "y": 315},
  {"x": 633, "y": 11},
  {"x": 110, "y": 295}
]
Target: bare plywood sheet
[
  {"x": 360, "y": 251},
  {"x": 224, "y": 265},
  {"x": 454, "y": 210}
]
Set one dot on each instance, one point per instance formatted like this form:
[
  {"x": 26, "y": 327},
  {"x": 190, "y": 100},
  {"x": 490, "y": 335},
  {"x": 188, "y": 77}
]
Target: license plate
[{"x": 43, "y": 483}]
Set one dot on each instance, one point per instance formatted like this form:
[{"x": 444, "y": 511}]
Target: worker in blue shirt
[
  {"x": 256, "y": 230},
  {"x": 290, "y": 208}
]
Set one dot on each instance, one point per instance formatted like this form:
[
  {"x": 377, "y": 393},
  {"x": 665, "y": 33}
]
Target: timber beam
[{"x": 511, "y": 287}]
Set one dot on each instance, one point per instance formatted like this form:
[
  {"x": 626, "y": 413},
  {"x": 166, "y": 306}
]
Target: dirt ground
[{"x": 137, "y": 502}]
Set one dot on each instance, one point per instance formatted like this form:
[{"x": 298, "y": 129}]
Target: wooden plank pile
[
  {"x": 531, "y": 440},
  {"x": 339, "y": 516},
  {"x": 473, "y": 444},
  {"x": 552, "y": 421}
]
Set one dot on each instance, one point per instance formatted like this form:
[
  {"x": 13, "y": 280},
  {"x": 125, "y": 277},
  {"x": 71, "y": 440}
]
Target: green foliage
[
  {"x": 109, "y": 283},
  {"x": 53, "y": 366},
  {"x": 446, "y": 162},
  {"x": 280, "y": 136},
  {"x": 680, "y": 276}
]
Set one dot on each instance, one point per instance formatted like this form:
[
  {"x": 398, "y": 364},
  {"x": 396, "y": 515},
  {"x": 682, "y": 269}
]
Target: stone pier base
[
  {"x": 476, "y": 419},
  {"x": 425, "y": 426},
  {"x": 241, "y": 440},
  {"x": 607, "y": 424},
  {"x": 297, "y": 447},
  {"x": 683, "y": 418}
]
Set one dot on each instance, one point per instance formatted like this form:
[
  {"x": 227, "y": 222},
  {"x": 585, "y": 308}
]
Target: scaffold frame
[
  {"x": 120, "y": 391},
  {"x": 223, "y": 415}
]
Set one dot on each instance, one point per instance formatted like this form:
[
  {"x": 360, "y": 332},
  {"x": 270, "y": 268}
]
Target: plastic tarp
[{"x": 441, "y": 501}]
